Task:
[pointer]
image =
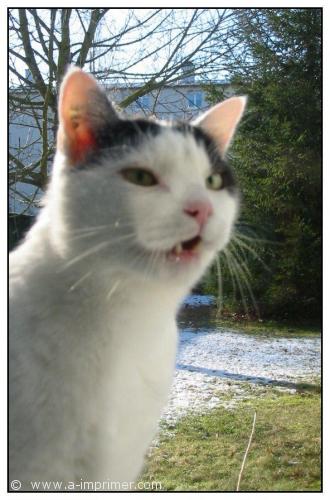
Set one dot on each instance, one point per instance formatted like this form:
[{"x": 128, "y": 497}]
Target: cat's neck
[{"x": 83, "y": 283}]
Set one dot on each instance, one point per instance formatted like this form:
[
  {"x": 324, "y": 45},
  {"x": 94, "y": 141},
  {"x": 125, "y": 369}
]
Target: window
[{"x": 195, "y": 99}]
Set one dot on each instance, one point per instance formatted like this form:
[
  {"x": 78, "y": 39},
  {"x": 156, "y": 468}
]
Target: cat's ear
[
  {"x": 84, "y": 110},
  {"x": 221, "y": 121}
]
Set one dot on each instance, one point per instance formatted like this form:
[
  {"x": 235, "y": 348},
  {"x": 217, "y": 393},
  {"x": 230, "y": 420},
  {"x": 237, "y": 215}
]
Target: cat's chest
[
  {"x": 103, "y": 368},
  {"x": 125, "y": 341},
  {"x": 126, "y": 367}
]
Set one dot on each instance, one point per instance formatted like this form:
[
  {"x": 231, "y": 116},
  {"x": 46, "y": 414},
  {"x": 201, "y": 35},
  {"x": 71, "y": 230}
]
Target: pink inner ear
[
  {"x": 77, "y": 135},
  {"x": 83, "y": 142},
  {"x": 222, "y": 119}
]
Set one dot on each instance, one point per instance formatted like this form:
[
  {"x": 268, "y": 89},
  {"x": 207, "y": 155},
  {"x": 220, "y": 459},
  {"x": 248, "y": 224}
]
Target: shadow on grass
[{"x": 300, "y": 387}]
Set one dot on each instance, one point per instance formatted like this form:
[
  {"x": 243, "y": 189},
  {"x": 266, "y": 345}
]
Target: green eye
[
  {"x": 139, "y": 176},
  {"x": 214, "y": 181}
]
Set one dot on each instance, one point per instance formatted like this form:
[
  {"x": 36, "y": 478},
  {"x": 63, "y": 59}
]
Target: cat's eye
[
  {"x": 214, "y": 181},
  {"x": 139, "y": 176}
]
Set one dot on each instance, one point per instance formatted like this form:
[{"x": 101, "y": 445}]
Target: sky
[{"x": 160, "y": 44}]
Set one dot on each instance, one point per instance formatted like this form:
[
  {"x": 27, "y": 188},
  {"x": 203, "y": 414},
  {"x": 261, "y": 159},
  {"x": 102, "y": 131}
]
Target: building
[{"x": 182, "y": 100}]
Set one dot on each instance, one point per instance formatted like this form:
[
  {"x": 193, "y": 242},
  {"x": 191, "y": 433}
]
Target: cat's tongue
[{"x": 186, "y": 250}]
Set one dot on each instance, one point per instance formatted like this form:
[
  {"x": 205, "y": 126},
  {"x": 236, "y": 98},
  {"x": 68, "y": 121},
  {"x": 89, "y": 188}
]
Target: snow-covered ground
[{"x": 221, "y": 367}]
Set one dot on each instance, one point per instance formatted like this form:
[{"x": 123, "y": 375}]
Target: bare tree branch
[
  {"x": 87, "y": 43},
  {"x": 29, "y": 55},
  {"x": 144, "y": 51},
  {"x": 64, "y": 56}
]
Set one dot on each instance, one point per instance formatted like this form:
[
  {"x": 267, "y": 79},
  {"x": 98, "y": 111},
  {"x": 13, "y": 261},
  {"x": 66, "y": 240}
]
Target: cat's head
[{"x": 152, "y": 197}]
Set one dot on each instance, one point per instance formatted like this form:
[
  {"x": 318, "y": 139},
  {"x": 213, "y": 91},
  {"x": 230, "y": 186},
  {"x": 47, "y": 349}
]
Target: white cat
[{"x": 135, "y": 212}]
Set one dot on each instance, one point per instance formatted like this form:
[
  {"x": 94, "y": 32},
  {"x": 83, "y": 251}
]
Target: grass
[
  {"x": 273, "y": 328},
  {"x": 206, "y": 452},
  {"x": 206, "y": 316}
]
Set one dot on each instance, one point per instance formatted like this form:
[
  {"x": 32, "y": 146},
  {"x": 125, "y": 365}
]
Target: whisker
[
  {"x": 113, "y": 289},
  {"x": 236, "y": 275},
  {"x": 243, "y": 272},
  {"x": 256, "y": 239},
  {"x": 229, "y": 267},
  {"x": 139, "y": 257},
  {"x": 112, "y": 239},
  {"x": 242, "y": 251},
  {"x": 149, "y": 265},
  {"x": 90, "y": 228},
  {"x": 116, "y": 224},
  {"x": 156, "y": 260},
  {"x": 85, "y": 254},
  {"x": 220, "y": 288},
  {"x": 241, "y": 256},
  {"x": 85, "y": 235},
  {"x": 152, "y": 262},
  {"x": 74, "y": 286},
  {"x": 252, "y": 251}
]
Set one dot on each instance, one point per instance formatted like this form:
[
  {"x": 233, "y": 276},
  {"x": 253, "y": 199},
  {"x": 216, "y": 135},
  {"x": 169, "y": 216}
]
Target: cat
[{"x": 135, "y": 212}]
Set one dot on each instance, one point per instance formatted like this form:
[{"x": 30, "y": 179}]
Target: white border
[{"x": 3, "y": 224}]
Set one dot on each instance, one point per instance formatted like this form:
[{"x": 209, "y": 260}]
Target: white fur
[{"x": 93, "y": 334}]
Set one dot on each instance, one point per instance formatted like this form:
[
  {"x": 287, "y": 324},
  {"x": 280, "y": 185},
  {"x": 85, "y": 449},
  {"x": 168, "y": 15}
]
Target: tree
[
  {"x": 277, "y": 156},
  {"x": 147, "y": 48}
]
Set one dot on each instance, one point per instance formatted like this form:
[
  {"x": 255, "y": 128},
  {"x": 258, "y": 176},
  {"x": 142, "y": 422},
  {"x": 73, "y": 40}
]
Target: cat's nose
[{"x": 200, "y": 210}]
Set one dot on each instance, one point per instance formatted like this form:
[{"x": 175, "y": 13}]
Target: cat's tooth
[{"x": 178, "y": 248}]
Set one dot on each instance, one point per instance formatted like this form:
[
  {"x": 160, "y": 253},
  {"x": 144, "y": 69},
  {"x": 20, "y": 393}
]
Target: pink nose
[{"x": 200, "y": 210}]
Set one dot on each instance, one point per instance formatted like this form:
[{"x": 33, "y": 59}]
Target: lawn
[
  {"x": 270, "y": 328},
  {"x": 205, "y": 316},
  {"x": 206, "y": 452}
]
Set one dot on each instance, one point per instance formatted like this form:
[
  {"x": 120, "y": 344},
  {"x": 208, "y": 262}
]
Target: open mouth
[{"x": 185, "y": 250}]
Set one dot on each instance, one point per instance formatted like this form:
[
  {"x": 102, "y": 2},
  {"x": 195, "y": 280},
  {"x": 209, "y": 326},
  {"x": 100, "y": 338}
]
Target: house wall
[{"x": 181, "y": 102}]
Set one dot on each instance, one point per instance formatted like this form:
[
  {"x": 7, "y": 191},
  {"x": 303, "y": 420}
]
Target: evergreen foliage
[{"x": 277, "y": 159}]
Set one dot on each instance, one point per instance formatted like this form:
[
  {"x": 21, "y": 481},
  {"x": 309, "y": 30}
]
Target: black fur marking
[
  {"x": 128, "y": 133},
  {"x": 131, "y": 133},
  {"x": 119, "y": 134},
  {"x": 217, "y": 162}
]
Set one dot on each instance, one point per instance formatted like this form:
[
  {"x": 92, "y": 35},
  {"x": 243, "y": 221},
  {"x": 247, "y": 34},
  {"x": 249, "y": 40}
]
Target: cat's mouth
[{"x": 185, "y": 250}]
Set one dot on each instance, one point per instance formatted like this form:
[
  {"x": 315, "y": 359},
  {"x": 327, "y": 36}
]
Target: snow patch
[{"x": 221, "y": 367}]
